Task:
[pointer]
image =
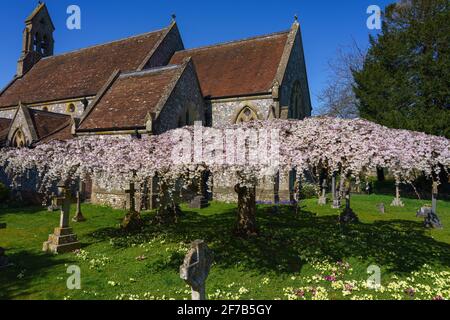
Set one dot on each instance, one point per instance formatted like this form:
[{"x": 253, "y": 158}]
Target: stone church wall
[
  {"x": 225, "y": 111},
  {"x": 186, "y": 97},
  {"x": 8, "y": 113},
  {"x": 171, "y": 43},
  {"x": 57, "y": 107}
]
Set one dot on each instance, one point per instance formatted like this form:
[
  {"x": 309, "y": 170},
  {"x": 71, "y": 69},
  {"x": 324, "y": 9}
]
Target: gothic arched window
[
  {"x": 247, "y": 114},
  {"x": 19, "y": 140}
]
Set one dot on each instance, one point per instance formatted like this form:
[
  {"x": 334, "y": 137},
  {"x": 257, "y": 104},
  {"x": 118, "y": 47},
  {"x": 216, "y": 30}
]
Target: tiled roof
[
  {"x": 128, "y": 100},
  {"x": 4, "y": 123},
  {"x": 63, "y": 133},
  {"x": 46, "y": 123},
  {"x": 80, "y": 73},
  {"x": 237, "y": 68},
  {"x": 4, "y": 129}
]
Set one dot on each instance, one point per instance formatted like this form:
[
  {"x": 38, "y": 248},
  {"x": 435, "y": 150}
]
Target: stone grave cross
[
  {"x": 131, "y": 194},
  {"x": 195, "y": 268},
  {"x": 62, "y": 239},
  {"x": 78, "y": 214},
  {"x": 63, "y": 201},
  {"x": 132, "y": 219}
]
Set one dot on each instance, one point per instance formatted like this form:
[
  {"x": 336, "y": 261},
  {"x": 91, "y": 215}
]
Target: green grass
[{"x": 289, "y": 259}]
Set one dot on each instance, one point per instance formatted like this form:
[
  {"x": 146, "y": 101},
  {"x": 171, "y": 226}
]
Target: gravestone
[
  {"x": 348, "y": 216},
  {"x": 381, "y": 208},
  {"x": 336, "y": 198},
  {"x": 78, "y": 214},
  {"x": 432, "y": 219},
  {"x": 53, "y": 206},
  {"x": 369, "y": 187},
  {"x": 195, "y": 268},
  {"x": 3, "y": 259},
  {"x": 423, "y": 212},
  {"x": 132, "y": 219},
  {"x": 200, "y": 201},
  {"x": 397, "y": 202},
  {"x": 63, "y": 239},
  {"x": 323, "y": 197}
]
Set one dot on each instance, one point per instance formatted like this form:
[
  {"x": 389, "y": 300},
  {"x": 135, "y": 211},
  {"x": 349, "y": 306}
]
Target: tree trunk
[
  {"x": 246, "y": 221},
  {"x": 380, "y": 175},
  {"x": 132, "y": 221}
]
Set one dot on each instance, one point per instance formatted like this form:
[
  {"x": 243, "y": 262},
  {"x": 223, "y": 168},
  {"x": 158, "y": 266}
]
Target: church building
[{"x": 148, "y": 84}]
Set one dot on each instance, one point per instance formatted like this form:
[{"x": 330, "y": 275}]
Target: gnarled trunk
[
  {"x": 246, "y": 220},
  {"x": 132, "y": 221}
]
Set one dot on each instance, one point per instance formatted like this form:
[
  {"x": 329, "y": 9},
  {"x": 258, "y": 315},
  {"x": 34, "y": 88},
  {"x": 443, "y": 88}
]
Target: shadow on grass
[
  {"x": 26, "y": 266},
  {"x": 4, "y": 209},
  {"x": 286, "y": 241}
]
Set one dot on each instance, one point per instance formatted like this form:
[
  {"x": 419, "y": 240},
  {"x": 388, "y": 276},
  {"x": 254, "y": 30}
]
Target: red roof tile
[
  {"x": 4, "y": 123},
  {"x": 62, "y": 133},
  {"x": 80, "y": 73},
  {"x": 237, "y": 68},
  {"x": 129, "y": 99},
  {"x": 46, "y": 123}
]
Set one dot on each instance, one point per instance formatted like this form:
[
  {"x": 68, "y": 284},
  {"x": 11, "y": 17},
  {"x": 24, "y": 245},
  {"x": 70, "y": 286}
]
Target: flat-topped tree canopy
[{"x": 353, "y": 147}]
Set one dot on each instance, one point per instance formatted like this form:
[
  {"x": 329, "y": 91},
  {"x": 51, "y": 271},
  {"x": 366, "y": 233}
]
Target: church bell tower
[{"x": 38, "y": 39}]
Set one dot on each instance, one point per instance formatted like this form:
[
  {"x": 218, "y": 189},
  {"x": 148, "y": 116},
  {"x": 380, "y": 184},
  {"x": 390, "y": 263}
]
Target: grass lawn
[{"x": 306, "y": 257}]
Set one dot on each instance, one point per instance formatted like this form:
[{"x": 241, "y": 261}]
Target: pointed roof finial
[
  {"x": 295, "y": 18},
  {"x": 174, "y": 17}
]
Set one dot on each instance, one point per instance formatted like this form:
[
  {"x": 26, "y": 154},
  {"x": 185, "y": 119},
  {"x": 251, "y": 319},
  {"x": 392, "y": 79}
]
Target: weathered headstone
[
  {"x": 195, "y": 268},
  {"x": 3, "y": 259},
  {"x": 63, "y": 239},
  {"x": 78, "y": 214},
  {"x": 432, "y": 219},
  {"x": 336, "y": 199},
  {"x": 381, "y": 208},
  {"x": 423, "y": 212},
  {"x": 397, "y": 202},
  {"x": 348, "y": 216},
  {"x": 323, "y": 197},
  {"x": 53, "y": 206},
  {"x": 200, "y": 201}
]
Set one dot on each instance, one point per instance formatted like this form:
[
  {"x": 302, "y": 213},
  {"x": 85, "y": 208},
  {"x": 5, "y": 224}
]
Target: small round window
[
  {"x": 45, "y": 108},
  {"x": 71, "y": 108}
]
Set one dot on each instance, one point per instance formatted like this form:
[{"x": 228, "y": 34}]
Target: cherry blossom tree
[{"x": 243, "y": 154}]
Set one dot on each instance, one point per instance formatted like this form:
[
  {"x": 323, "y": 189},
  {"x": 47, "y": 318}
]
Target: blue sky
[{"x": 326, "y": 25}]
